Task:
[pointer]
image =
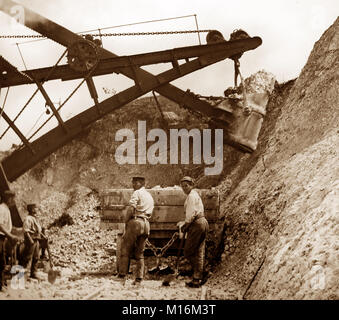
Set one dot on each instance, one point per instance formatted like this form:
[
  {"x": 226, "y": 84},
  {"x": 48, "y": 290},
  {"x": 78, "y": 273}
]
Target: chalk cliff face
[{"x": 284, "y": 214}]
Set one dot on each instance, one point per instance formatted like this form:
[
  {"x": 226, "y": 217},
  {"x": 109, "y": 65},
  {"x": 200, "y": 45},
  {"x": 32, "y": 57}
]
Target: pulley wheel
[
  {"x": 214, "y": 36},
  {"x": 82, "y": 55}
]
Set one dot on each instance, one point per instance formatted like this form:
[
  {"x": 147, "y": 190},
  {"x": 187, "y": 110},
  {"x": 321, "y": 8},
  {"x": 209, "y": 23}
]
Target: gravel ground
[{"x": 72, "y": 286}]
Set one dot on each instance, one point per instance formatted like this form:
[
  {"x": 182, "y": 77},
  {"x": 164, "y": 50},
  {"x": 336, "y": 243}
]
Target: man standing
[
  {"x": 32, "y": 234},
  {"x": 196, "y": 226},
  {"x": 5, "y": 230},
  {"x": 137, "y": 229}
]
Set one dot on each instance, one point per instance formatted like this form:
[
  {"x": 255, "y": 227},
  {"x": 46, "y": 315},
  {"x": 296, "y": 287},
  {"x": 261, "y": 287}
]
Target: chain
[
  {"x": 21, "y": 36},
  {"x": 149, "y": 33},
  {"x": 159, "y": 252},
  {"x": 169, "y": 243},
  {"x": 113, "y": 34},
  {"x": 153, "y": 248}
]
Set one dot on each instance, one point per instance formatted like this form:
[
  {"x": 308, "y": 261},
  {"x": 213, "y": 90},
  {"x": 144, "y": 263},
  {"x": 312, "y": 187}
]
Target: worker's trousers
[
  {"x": 133, "y": 241},
  {"x": 194, "y": 249},
  {"x": 30, "y": 254},
  {"x": 2, "y": 259}
]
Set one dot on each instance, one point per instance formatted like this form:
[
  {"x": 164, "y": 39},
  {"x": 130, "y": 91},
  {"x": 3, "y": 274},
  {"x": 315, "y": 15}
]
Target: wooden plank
[
  {"x": 160, "y": 214},
  {"x": 162, "y": 197},
  {"x": 163, "y": 226},
  {"x": 176, "y": 213},
  {"x": 161, "y": 234},
  {"x": 154, "y": 225}
]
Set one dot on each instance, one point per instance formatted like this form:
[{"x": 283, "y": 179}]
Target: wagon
[{"x": 168, "y": 210}]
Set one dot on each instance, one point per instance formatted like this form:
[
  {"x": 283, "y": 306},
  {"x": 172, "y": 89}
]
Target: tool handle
[
  {"x": 49, "y": 255},
  {"x": 182, "y": 240}
]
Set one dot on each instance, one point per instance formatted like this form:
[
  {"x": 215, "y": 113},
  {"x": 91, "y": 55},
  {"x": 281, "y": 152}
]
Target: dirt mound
[{"x": 283, "y": 216}]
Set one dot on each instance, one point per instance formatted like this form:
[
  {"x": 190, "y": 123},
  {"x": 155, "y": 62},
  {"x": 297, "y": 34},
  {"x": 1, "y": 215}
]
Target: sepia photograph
[{"x": 182, "y": 152}]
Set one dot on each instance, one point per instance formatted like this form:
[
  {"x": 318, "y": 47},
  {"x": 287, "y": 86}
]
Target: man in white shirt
[
  {"x": 196, "y": 226},
  {"x": 5, "y": 229},
  {"x": 137, "y": 229}
]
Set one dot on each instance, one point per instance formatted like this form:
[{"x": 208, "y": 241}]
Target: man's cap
[
  {"x": 9, "y": 193},
  {"x": 139, "y": 178},
  {"x": 31, "y": 206},
  {"x": 187, "y": 179}
]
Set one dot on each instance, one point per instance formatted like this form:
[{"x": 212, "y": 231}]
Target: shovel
[{"x": 52, "y": 274}]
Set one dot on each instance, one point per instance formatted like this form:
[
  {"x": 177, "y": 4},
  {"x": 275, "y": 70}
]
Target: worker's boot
[
  {"x": 34, "y": 270},
  {"x": 195, "y": 283},
  {"x": 122, "y": 278},
  {"x": 137, "y": 282}
]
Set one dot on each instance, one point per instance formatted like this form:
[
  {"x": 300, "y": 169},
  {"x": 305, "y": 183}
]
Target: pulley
[
  {"x": 238, "y": 34},
  {"x": 214, "y": 36},
  {"x": 82, "y": 55}
]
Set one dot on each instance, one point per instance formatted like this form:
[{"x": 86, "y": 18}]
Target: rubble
[{"x": 80, "y": 245}]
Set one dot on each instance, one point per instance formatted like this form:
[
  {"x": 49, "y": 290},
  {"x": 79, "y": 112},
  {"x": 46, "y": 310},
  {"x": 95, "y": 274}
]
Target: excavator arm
[{"x": 65, "y": 72}]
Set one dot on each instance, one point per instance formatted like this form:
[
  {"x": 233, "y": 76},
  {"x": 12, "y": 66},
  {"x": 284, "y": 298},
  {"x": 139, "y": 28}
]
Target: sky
[{"x": 288, "y": 28}]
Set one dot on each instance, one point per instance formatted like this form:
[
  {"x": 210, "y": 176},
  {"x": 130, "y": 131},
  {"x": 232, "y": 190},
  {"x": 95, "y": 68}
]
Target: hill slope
[{"x": 284, "y": 214}]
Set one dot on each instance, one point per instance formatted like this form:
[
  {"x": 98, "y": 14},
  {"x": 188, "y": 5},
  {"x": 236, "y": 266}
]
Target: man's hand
[
  {"x": 29, "y": 238},
  {"x": 180, "y": 225},
  {"x": 130, "y": 213},
  {"x": 14, "y": 239}
]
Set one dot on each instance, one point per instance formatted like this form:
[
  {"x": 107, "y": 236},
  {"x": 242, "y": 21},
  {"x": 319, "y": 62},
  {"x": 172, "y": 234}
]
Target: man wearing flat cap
[
  {"x": 196, "y": 226},
  {"x": 32, "y": 233},
  {"x": 5, "y": 229},
  {"x": 137, "y": 229}
]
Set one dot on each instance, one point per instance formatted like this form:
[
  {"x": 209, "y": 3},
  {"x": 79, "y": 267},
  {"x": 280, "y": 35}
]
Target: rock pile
[{"x": 82, "y": 245}]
